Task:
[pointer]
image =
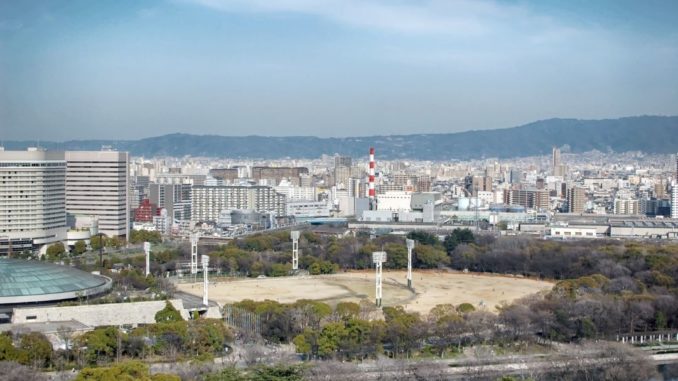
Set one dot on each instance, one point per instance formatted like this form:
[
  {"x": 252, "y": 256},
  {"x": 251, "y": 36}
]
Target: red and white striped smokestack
[{"x": 372, "y": 193}]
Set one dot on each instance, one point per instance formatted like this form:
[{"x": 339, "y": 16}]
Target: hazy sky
[{"x": 131, "y": 69}]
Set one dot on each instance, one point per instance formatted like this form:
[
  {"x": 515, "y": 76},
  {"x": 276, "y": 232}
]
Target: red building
[{"x": 145, "y": 211}]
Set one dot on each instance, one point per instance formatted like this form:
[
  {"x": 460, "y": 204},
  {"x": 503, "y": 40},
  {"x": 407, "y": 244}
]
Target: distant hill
[{"x": 650, "y": 134}]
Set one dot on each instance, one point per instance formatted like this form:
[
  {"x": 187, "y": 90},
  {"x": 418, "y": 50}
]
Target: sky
[{"x": 82, "y": 69}]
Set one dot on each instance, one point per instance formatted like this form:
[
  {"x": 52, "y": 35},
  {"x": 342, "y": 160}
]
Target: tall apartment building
[
  {"x": 576, "y": 200},
  {"x": 626, "y": 206},
  {"x": 674, "y": 200},
  {"x": 171, "y": 197},
  {"x": 343, "y": 161},
  {"x": 529, "y": 198},
  {"x": 32, "y": 199},
  {"x": 207, "y": 202},
  {"x": 97, "y": 184},
  {"x": 275, "y": 174}
]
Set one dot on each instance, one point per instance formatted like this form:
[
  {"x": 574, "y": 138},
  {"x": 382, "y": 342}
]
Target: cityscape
[{"x": 241, "y": 224}]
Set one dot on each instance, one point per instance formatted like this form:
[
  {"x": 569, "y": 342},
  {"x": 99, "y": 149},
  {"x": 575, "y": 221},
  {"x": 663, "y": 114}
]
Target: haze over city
[
  {"x": 128, "y": 69},
  {"x": 344, "y": 190}
]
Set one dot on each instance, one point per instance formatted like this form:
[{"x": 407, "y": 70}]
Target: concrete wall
[{"x": 98, "y": 314}]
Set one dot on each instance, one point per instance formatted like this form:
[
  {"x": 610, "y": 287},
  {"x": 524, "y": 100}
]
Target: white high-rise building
[
  {"x": 674, "y": 200},
  {"x": 208, "y": 202},
  {"x": 32, "y": 199},
  {"x": 97, "y": 184}
]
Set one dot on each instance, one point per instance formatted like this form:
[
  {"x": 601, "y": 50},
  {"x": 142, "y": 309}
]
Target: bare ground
[{"x": 430, "y": 288}]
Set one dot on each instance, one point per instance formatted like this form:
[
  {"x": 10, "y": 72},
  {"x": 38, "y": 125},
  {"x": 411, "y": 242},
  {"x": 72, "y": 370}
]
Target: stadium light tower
[
  {"x": 194, "y": 253},
  {"x": 378, "y": 257},
  {"x": 205, "y": 280},
  {"x": 410, "y": 246},
  {"x": 147, "y": 250},
  {"x": 294, "y": 234}
]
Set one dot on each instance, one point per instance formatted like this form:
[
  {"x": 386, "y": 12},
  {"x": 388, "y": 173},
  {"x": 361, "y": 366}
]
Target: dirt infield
[{"x": 430, "y": 288}]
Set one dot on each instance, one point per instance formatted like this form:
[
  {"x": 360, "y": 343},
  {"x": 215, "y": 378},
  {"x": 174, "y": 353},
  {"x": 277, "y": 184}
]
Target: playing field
[{"x": 430, "y": 288}]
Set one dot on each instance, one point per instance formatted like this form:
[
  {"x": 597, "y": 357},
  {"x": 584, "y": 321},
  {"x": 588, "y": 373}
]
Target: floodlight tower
[
  {"x": 205, "y": 280},
  {"x": 378, "y": 257},
  {"x": 147, "y": 250},
  {"x": 294, "y": 234},
  {"x": 410, "y": 246},
  {"x": 194, "y": 253}
]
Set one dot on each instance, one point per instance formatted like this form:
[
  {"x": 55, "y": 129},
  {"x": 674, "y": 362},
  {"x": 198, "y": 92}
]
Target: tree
[
  {"x": 34, "y": 350},
  {"x": 168, "y": 314},
  {"x": 424, "y": 238},
  {"x": 55, "y": 251},
  {"x": 7, "y": 350},
  {"x": 430, "y": 257},
  {"x": 125, "y": 371},
  {"x": 79, "y": 247},
  {"x": 456, "y": 237}
]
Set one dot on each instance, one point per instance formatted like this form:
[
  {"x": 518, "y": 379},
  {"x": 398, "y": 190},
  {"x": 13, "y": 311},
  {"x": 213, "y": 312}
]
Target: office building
[
  {"x": 32, "y": 200},
  {"x": 97, "y": 184}
]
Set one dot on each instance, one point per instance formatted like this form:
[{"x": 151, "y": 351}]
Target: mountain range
[{"x": 649, "y": 134}]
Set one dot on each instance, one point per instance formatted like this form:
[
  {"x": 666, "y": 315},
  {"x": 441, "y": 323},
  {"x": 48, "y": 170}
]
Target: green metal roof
[{"x": 22, "y": 278}]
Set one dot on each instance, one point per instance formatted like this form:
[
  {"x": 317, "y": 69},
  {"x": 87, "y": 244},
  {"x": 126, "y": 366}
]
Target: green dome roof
[{"x": 23, "y": 281}]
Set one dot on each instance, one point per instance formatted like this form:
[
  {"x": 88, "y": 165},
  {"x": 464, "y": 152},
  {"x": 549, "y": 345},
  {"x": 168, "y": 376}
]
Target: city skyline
[{"x": 126, "y": 70}]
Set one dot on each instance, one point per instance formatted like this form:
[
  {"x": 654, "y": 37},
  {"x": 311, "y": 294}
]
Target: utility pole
[{"x": 101, "y": 250}]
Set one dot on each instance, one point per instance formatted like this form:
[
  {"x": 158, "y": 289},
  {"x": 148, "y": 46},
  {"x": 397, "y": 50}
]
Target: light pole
[
  {"x": 147, "y": 250},
  {"x": 294, "y": 234},
  {"x": 410, "y": 246},
  {"x": 378, "y": 257},
  {"x": 205, "y": 280}
]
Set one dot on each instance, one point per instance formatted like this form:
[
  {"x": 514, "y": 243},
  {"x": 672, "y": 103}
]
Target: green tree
[
  {"x": 34, "y": 349},
  {"x": 458, "y": 236},
  {"x": 424, "y": 238},
  {"x": 95, "y": 242},
  {"x": 281, "y": 372},
  {"x": 79, "y": 247},
  {"x": 55, "y": 251},
  {"x": 227, "y": 374},
  {"x": 125, "y": 371},
  {"x": 99, "y": 344},
  {"x": 168, "y": 314},
  {"x": 7, "y": 350},
  {"x": 430, "y": 257}
]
